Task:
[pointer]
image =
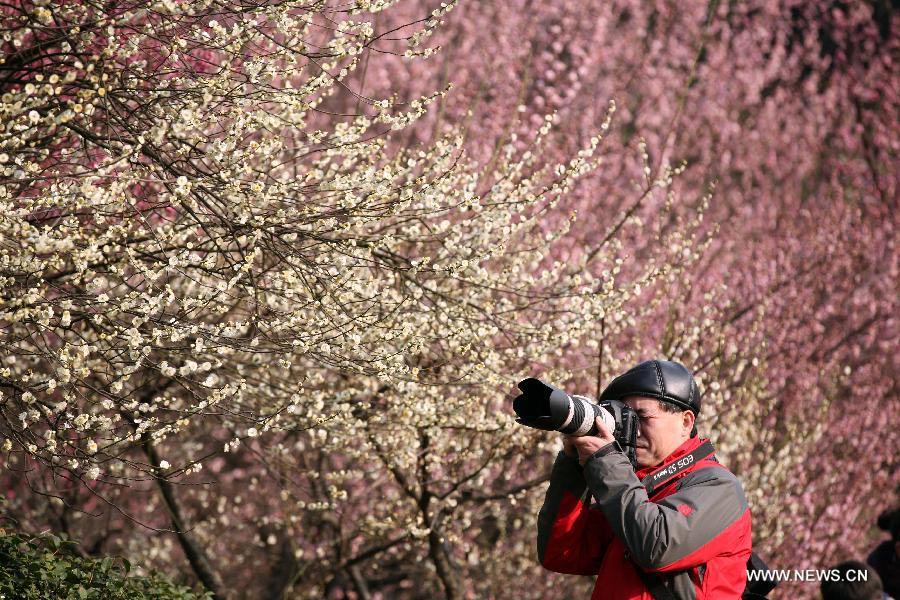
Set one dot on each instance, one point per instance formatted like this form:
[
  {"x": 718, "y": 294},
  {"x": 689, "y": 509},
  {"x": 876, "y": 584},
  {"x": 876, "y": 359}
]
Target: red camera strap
[{"x": 664, "y": 475}]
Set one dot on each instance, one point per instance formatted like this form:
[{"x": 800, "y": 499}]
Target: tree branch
[{"x": 194, "y": 552}]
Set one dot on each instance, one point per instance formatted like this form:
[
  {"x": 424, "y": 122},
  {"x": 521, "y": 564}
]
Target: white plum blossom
[{"x": 207, "y": 264}]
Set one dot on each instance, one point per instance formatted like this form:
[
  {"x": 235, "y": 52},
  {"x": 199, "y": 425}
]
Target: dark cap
[{"x": 661, "y": 379}]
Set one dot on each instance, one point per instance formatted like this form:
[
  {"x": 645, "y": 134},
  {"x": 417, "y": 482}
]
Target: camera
[{"x": 542, "y": 406}]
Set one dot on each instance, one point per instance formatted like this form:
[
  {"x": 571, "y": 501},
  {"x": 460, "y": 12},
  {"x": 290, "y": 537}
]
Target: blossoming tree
[{"x": 246, "y": 335}]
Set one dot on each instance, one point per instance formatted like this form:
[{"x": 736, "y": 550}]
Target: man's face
[{"x": 659, "y": 432}]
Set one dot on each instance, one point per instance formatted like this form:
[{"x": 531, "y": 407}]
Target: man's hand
[
  {"x": 569, "y": 446},
  {"x": 586, "y": 445}
]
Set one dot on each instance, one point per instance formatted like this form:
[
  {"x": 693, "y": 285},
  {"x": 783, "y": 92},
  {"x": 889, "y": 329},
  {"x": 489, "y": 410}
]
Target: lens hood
[{"x": 541, "y": 406}]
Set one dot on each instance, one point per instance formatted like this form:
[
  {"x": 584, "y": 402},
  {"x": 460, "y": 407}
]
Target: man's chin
[{"x": 642, "y": 457}]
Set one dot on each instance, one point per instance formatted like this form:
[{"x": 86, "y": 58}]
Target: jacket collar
[{"x": 686, "y": 448}]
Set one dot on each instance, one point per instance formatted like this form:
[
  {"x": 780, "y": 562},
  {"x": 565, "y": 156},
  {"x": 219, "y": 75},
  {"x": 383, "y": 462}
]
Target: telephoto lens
[
  {"x": 542, "y": 406},
  {"x": 545, "y": 407}
]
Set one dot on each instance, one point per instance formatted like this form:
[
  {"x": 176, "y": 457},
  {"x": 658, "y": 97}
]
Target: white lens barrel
[{"x": 590, "y": 410}]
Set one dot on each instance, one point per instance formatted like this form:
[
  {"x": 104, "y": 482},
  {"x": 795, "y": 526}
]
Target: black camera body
[{"x": 551, "y": 409}]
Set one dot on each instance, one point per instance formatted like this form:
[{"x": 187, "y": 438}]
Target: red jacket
[{"x": 694, "y": 532}]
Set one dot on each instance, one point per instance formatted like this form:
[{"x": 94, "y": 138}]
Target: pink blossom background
[{"x": 792, "y": 110}]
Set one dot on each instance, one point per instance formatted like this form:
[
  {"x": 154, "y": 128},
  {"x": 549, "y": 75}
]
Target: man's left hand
[{"x": 587, "y": 445}]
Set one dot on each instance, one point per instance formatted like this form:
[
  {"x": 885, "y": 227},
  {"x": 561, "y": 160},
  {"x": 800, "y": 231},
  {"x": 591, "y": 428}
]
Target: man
[
  {"x": 688, "y": 539},
  {"x": 885, "y": 558},
  {"x": 855, "y": 581}
]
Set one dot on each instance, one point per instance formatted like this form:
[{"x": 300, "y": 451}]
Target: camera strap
[{"x": 654, "y": 481}]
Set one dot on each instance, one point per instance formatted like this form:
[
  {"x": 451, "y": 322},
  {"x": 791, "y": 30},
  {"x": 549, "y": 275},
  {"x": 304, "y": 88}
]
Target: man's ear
[{"x": 687, "y": 420}]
